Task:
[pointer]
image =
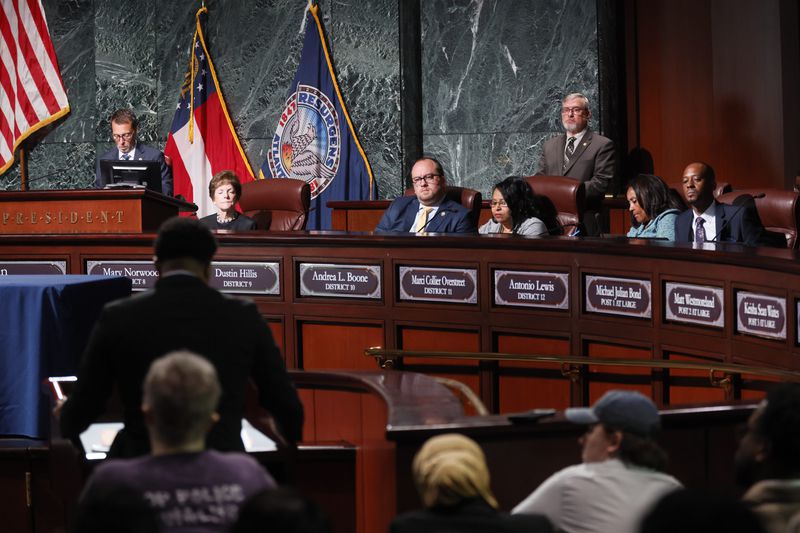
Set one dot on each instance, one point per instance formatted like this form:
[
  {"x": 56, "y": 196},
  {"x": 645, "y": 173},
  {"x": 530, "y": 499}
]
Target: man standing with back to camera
[
  {"x": 124, "y": 127},
  {"x": 580, "y": 154},
  {"x": 182, "y": 313}
]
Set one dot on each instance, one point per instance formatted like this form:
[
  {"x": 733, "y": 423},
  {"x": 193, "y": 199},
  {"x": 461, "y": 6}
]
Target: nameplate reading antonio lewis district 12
[
  {"x": 618, "y": 296},
  {"x": 694, "y": 304},
  {"x": 329, "y": 280},
  {"x": 451, "y": 285},
  {"x": 33, "y": 268},
  {"x": 529, "y": 288},
  {"x": 761, "y": 315},
  {"x": 230, "y": 277}
]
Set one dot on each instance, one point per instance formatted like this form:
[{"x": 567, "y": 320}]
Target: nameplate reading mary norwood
[
  {"x": 529, "y": 288},
  {"x": 340, "y": 280},
  {"x": 452, "y": 285},
  {"x": 694, "y": 304},
  {"x": 618, "y": 296},
  {"x": 761, "y": 315}
]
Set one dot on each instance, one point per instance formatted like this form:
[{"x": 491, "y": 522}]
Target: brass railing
[{"x": 719, "y": 374}]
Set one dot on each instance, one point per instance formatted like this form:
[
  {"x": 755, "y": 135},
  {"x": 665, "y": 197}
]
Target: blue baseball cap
[{"x": 620, "y": 409}]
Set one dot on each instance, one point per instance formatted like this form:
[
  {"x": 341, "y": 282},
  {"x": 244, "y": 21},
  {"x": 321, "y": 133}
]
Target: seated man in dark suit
[
  {"x": 428, "y": 210},
  {"x": 182, "y": 313},
  {"x": 124, "y": 126},
  {"x": 711, "y": 221}
]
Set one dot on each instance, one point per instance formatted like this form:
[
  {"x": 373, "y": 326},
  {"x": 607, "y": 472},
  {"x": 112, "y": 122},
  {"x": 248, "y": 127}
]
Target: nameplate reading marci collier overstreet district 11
[
  {"x": 435, "y": 284},
  {"x": 244, "y": 277}
]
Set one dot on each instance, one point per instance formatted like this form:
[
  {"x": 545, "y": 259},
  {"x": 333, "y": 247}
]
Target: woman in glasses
[
  {"x": 652, "y": 208},
  {"x": 514, "y": 210}
]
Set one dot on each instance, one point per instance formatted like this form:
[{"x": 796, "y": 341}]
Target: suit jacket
[
  {"x": 472, "y": 516},
  {"x": 735, "y": 223},
  {"x": 181, "y": 313},
  {"x": 143, "y": 153},
  {"x": 593, "y": 162},
  {"x": 451, "y": 217}
]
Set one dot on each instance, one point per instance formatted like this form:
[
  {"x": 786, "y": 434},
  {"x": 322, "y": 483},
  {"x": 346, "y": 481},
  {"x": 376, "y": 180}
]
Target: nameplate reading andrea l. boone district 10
[
  {"x": 761, "y": 315},
  {"x": 618, "y": 296},
  {"x": 340, "y": 280},
  {"x": 452, "y": 285},
  {"x": 28, "y": 268},
  {"x": 528, "y": 288},
  {"x": 695, "y": 304}
]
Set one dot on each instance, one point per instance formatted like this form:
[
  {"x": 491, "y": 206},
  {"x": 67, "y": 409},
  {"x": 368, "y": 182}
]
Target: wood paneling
[{"x": 335, "y": 345}]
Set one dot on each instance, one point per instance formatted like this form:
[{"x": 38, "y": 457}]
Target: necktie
[
  {"x": 700, "y": 231},
  {"x": 423, "y": 219},
  {"x": 569, "y": 151},
  {"x": 126, "y": 157}
]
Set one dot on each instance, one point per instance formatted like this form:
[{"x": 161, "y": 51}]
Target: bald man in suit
[{"x": 581, "y": 154}]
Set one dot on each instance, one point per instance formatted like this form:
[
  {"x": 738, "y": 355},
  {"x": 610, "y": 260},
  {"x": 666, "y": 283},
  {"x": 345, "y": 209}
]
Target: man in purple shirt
[{"x": 188, "y": 487}]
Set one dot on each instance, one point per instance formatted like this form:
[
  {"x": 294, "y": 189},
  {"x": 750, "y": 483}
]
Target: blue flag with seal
[{"x": 315, "y": 139}]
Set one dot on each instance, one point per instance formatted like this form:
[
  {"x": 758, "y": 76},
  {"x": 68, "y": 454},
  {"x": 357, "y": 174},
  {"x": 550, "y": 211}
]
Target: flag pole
[{"x": 23, "y": 168}]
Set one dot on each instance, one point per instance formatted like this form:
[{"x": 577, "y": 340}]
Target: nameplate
[
  {"x": 452, "y": 285},
  {"x": 695, "y": 304},
  {"x": 143, "y": 274},
  {"x": 33, "y": 268},
  {"x": 618, "y": 296},
  {"x": 761, "y": 315},
  {"x": 245, "y": 277},
  {"x": 329, "y": 280},
  {"x": 530, "y": 288}
]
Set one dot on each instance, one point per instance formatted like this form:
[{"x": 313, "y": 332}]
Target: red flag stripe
[{"x": 32, "y": 91}]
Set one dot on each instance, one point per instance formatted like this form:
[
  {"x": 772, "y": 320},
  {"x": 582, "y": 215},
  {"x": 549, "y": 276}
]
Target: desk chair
[
  {"x": 277, "y": 204},
  {"x": 779, "y": 210},
  {"x": 562, "y": 202}
]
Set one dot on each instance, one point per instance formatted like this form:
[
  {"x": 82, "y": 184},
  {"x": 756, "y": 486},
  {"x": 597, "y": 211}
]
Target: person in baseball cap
[{"x": 621, "y": 475}]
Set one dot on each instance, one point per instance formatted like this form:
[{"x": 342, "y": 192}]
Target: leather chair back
[
  {"x": 562, "y": 202},
  {"x": 469, "y": 198},
  {"x": 778, "y": 210},
  {"x": 277, "y": 204}
]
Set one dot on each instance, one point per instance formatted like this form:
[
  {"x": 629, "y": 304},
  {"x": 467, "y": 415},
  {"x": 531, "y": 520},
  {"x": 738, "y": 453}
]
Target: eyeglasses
[
  {"x": 427, "y": 178},
  {"x": 498, "y": 203},
  {"x": 123, "y": 136},
  {"x": 573, "y": 110}
]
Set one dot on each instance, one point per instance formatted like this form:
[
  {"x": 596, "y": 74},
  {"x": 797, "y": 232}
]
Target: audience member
[
  {"x": 428, "y": 210},
  {"x": 124, "y": 128},
  {"x": 711, "y": 221},
  {"x": 652, "y": 207},
  {"x": 225, "y": 189},
  {"x": 452, "y": 478},
  {"x": 189, "y": 488},
  {"x": 121, "y": 510},
  {"x": 620, "y": 477},
  {"x": 768, "y": 459},
  {"x": 514, "y": 210},
  {"x": 282, "y": 511},
  {"x": 581, "y": 154},
  {"x": 183, "y": 312},
  {"x": 699, "y": 511}
]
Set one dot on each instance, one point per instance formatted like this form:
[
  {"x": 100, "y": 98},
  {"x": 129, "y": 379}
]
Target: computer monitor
[{"x": 141, "y": 173}]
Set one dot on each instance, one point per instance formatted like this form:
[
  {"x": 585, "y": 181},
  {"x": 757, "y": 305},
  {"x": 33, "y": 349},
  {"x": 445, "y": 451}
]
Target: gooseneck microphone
[
  {"x": 741, "y": 201},
  {"x": 439, "y": 213}
]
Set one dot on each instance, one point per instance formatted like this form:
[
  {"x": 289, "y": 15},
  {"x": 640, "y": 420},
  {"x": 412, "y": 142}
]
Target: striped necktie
[
  {"x": 569, "y": 151},
  {"x": 422, "y": 220}
]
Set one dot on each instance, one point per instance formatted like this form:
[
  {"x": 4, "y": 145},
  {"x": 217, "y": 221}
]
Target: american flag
[
  {"x": 32, "y": 93},
  {"x": 202, "y": 140}
]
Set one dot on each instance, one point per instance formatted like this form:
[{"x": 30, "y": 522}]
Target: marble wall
[{"x": 492, "y": 75}]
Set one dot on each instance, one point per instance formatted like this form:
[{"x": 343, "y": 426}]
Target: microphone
[
  {"x": 439, "y": 213},
  {"x": 54, "y": 173},
  {"x": 741, "y": 201}
]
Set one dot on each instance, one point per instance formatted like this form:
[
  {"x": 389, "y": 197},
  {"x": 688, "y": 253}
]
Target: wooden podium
[{"x": 86, "y": 211}]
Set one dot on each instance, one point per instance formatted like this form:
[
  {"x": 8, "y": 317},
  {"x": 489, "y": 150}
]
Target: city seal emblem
[{"x": 307, "y": 142}]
